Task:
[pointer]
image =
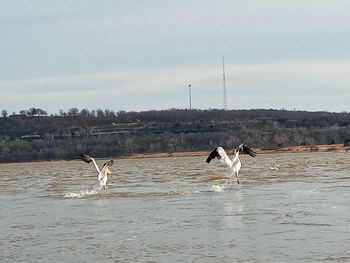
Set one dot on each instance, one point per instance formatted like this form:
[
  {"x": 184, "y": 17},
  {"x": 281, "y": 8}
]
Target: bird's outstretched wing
[
  {"x": 107, "y": 164},
  {"x": 105, "y": 169},
  {"x": 214, "y": 154},
  {"x": 88, "y": 159},
  {"x": 219, "y": 153},
  {"x": 244, "y": 149}
]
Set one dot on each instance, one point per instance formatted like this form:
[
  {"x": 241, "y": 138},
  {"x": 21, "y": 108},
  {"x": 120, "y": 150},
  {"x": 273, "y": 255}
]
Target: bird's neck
[
  {"x": 96, "y": 166},
  {"x": 235, "y": 156}
]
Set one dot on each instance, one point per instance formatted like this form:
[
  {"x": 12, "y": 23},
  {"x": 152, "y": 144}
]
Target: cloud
[
  {"x": 256, "y": 85},
  {"x": 104, "y": 89},
  {"x": 90, "y": 36},
  {"x": 139, "y": 55},
  {"x": 302, "y": 85}
]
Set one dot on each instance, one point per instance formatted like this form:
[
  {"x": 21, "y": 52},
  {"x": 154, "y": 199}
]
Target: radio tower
[
  {"x": 190, "y": 96},
  {"x": 224, "y": 83}
]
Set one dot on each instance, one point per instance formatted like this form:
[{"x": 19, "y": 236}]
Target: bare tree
[
  {"x": 62, "y": 113},
  {"x": 100, "y": 113},
  {"x": 84, "y": 113},
  {"x": 73, "y": 112},
  {"x": 4, "y": 113}
]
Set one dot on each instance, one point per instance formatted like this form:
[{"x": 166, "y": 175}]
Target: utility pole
[{"x": 190, "y": 97}]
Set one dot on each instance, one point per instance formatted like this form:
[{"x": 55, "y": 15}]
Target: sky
[{"x": 139, "y": 55}]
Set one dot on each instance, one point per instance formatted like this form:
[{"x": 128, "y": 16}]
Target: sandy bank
[{"x": 290, "y": 149}]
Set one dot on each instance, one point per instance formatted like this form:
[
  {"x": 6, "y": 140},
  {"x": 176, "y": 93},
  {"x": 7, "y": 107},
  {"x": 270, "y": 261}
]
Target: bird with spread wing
[
  {"x": 235, "y": 164},
  {"x": 103, "y": 173}
]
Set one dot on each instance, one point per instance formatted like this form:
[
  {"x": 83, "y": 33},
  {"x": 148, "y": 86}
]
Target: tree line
[
  {"x": 33, "y": 135},
  {"x": 71, "y": 112}
]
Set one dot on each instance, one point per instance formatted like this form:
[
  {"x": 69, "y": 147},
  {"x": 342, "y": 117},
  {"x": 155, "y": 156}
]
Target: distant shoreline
[{"x": 289, "y": 149}]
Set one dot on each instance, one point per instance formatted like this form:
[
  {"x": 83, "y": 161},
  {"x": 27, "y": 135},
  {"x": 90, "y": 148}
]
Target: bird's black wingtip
[
  {"x": 250, "y": 151},
  {"x": 86, "y": 158},
  {"x": 245, "y": 149},
  {"x": 108, "y": 163},
  {"x": 213, "y": 154}
]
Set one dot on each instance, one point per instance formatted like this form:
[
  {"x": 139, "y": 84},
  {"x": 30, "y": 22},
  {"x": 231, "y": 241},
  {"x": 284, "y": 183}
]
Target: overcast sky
[{"x": 142, "y": 55}]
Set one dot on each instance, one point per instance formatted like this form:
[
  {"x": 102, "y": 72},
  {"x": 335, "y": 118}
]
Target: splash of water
[
  {"x": 95, "y": 189},
  {"x": 217, "y": 188},
  {"x": 183, "y": 192}
]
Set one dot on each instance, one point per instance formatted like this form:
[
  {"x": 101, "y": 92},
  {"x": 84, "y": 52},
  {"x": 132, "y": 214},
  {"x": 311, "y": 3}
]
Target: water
[{"x": 178, "y": 210}]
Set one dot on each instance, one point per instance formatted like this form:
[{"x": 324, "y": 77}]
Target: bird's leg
[
  {"x": 238, "y": 182},
  {"x": 240, "y": 161}
]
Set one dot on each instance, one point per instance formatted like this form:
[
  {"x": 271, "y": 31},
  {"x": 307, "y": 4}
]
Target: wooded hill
[{"x": 29, "y": 137}]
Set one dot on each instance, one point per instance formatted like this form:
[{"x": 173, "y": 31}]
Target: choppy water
[{"x": 178, "y": 210}]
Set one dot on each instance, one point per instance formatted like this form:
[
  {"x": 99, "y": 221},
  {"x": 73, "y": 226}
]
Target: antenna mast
[
  {"x": 224, "y": 84},
  {"x": 190, "y": 96}
]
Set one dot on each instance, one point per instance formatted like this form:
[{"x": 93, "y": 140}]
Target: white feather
[
  {"x": 102, "y": 176},
  {"x": 224, "y": 159}
]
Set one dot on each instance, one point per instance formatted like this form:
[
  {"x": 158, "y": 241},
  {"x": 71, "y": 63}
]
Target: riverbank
[{"x": 289, "y": 149}]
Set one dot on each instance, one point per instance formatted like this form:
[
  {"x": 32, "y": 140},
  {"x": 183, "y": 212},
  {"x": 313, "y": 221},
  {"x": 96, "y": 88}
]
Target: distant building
[{"x": 30, "y": 137}]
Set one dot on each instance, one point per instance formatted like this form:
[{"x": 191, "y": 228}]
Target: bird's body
[
  {"x": 103, "y": 173},
  {"x": 274, "y": 167},
  {"x": 235, "y": 164}
]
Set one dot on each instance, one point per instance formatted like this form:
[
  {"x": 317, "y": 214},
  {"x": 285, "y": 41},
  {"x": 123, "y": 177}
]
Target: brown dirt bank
[{"x": 290, "y": 149}]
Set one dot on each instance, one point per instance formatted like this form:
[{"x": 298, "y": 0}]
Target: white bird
[
  {"x": 274, "y": 167},
  {"x": 235, "y": 164},
  {"x": 103, "y": 173}
]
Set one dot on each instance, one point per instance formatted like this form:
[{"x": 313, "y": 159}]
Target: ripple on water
[{"x": 178, "y": 209}]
